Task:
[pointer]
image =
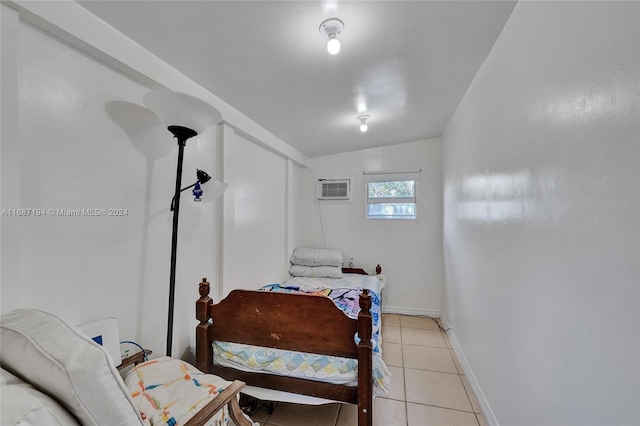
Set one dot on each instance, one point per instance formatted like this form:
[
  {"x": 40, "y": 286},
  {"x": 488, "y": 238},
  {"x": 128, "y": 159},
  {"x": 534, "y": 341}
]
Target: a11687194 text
[{"x": 58, "y": 212}]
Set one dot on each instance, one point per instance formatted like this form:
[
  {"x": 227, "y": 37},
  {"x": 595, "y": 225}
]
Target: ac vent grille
[{"x": 333, "y": 189}]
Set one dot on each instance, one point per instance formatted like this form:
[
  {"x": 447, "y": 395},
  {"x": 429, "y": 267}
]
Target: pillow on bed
[
  {"x": 316, "y": 271},
  {"x": 62, "y": 362},
  {"x": 316, "y": 257}
]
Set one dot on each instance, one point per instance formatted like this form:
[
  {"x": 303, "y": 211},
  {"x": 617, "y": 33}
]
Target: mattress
[
  {"x": 371, "y": 282},
  {"x": 345, "y": 293}
]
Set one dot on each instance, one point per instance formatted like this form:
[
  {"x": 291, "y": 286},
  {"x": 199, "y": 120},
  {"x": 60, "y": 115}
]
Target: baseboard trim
[
  {"x": 482, "y": 400},
  {"x": 410, "y": 311}
]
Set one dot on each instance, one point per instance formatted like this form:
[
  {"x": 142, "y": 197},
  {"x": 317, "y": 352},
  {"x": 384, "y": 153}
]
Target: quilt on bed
[{"x": 331, "y": 369}]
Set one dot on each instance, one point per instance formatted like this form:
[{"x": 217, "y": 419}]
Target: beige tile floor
[{"x": 428, "y": 385}]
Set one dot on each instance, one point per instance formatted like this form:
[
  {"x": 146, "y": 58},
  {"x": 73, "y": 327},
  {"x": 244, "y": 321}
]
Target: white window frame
[{"x": 391, "y": 176}]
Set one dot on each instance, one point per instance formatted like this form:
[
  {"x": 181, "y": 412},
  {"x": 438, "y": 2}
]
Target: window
[{"x": 391, "y": 199}]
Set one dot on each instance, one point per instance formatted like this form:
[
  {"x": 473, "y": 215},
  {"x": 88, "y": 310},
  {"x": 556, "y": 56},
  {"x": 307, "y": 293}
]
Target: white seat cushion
[
  {"x": 59, "y": 360},
  {"x": 25, "y": 405}
]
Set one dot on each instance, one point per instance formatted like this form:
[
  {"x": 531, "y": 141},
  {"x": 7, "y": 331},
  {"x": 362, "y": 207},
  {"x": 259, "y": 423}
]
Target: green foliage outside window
[
  {"x": 391, "y": 200},
  {"x": 395, "y": 189}
]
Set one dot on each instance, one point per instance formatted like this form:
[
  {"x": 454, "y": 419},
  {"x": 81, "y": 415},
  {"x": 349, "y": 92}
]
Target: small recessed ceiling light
[
  {"x": 332, "y": 27},
  {"x": 363, "y": 122}
]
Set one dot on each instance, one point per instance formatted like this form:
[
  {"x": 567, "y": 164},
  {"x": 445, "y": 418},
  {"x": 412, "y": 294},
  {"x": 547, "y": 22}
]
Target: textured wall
[{"x": 541, "y": 166}]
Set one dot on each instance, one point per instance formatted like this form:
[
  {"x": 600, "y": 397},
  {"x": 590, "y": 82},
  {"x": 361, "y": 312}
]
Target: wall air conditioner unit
[{"x": 333, "y": 189}]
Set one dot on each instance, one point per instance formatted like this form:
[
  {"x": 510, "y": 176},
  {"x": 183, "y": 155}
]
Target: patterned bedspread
[{"x": 311, "y": 366}]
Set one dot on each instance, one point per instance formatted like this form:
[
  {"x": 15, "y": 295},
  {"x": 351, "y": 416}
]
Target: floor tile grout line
[
  {"x": 404, "y": 382},
  {"x": 467, "y": 392},
  {"x": 440, "y": 406},
  {"x": 423, "y": 346},
  {"x": 433, "y": 371}
]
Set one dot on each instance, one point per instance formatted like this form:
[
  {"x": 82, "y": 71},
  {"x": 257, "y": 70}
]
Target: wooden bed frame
[{"x": 289, "y": 321}]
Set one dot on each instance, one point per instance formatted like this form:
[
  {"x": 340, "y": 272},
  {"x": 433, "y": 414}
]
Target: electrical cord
[
  {"x": 144, "y": 353},
  {"x": 439, "y": 326},
  {"x": 324, "y": 243}
]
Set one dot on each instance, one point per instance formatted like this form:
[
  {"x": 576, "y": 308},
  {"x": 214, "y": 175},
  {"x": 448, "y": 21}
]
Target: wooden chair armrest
[{"x": 227, "y": 396}]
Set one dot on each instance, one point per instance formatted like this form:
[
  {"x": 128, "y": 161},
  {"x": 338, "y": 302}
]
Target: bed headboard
[{"x": 360, "y": 270}]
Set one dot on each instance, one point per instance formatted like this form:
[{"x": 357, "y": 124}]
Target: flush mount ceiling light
[
  {"x": 332, "y": 27},
  {"x": 363, "y": 122}
]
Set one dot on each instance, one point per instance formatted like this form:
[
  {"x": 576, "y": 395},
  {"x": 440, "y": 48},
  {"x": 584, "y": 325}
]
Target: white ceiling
[{"x": 407, "y": 64}]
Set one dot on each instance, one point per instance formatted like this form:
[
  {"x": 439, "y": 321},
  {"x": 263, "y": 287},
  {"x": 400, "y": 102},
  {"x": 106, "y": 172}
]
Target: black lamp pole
[
  {"x": 182, "y": 134},
  {"x": 173, "y": 109}
]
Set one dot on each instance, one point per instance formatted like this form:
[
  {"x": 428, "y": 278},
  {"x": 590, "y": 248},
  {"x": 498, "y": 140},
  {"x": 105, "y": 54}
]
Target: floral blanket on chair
[{"x": 170, "y": 391}]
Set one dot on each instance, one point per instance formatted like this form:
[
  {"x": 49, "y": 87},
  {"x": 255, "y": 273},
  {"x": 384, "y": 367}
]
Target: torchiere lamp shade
[
  {"x": 214, "y": 189},
  {"x": 180, "y": 109}
]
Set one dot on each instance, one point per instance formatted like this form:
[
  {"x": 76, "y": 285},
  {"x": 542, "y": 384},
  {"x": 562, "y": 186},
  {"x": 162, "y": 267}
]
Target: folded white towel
[
  {"x": 316, "y": 257},
  {"x": 316, "y": 271}
]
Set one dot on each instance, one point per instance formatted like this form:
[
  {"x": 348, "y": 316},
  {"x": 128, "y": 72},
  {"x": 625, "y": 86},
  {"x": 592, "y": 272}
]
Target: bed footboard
[{"x": 289, "y": 321}]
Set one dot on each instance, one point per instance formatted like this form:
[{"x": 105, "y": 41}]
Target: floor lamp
[{"x": 185, "y": 117}]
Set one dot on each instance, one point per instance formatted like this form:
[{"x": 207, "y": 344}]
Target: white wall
[
  {"x": 85, "y": 142},
  {"x": 541, "y": 166},
  {"x": 255, "y": 226},
  {"x": 9, "y": 152},
  {"x": 410, "y": 253},
  {"x": 75, "y": 135}
]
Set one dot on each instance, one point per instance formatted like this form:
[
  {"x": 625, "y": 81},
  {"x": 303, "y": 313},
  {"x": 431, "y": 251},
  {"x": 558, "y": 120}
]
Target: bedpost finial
[
  {"x": 365, "y": 300},
  {"x": 378, "y": 269},
  {"x": 204, "y": 287}
]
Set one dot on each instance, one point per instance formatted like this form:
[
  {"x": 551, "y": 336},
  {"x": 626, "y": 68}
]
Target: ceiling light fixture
[
  {"x": 332, "y": 27},
  {"x": 363, "y": 122}
]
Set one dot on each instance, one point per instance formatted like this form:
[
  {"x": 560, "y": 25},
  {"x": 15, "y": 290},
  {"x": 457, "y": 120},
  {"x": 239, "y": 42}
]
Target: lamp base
[{"x": 182, "y": 133}]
